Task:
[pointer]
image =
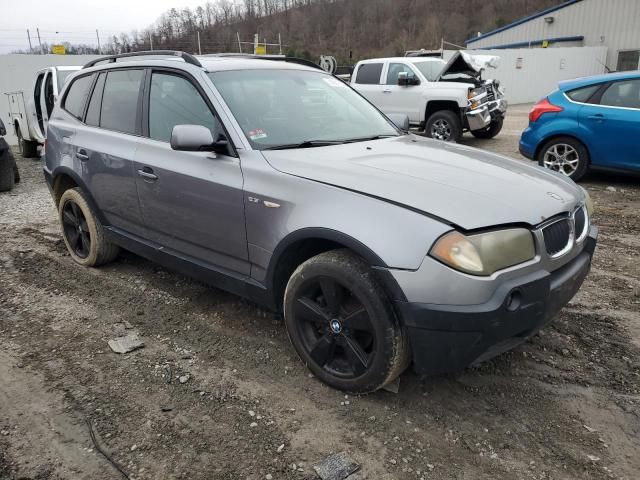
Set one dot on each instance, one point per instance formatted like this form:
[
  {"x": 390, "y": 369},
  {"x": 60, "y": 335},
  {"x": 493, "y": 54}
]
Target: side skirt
[{"x": 211, "y": 275}]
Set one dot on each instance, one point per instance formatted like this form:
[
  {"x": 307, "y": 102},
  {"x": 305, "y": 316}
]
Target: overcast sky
[{"x": 77, "y": 20}]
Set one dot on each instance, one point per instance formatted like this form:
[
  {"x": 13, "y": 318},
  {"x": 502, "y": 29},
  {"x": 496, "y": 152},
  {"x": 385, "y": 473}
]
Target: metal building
[{"x": 614, "y": 24}]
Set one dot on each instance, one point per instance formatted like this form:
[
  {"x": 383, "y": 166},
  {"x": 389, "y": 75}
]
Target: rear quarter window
[
  {"x": 369, "y": 74},
  {"x": 77, "y": 95},
  {"x": 583, "y": 94}
]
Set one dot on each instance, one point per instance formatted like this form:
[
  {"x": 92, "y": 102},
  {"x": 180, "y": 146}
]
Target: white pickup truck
[
  {"x": 443, "y": 99},
  {"x": 29, "y": 110}
]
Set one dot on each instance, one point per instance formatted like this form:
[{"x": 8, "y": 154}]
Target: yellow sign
[
  {"x": 58, "y": 50},
  {"x": 545, "y": 43},
  {"x": 260, "y": 49}
]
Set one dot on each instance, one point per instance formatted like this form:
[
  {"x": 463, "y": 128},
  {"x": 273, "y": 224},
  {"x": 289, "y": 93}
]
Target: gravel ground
[{"x": 217, "y": 392}]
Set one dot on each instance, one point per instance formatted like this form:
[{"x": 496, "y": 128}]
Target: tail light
[{"x": 542, "y": 107}]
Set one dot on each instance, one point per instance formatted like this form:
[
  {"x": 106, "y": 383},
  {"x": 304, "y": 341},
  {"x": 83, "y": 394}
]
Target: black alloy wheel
[
  {"x": 334, "y": 328},
  {"x": 75, "y": 229}
]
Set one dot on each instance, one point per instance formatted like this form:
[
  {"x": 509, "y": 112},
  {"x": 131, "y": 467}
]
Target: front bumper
[
  {"x": 479, "y": 118},
  {"x": 448, "y": 338},
  {"x": 498, "y": 107}
]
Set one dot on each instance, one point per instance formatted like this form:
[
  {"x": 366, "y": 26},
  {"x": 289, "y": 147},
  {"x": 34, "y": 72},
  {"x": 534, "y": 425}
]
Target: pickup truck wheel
[
  {"x": 29, "y": 149},
  {"x": 82, "y": 231},
  {"x": 7, "y": 174},
  {"x": 565, "y": 155},
  {"x": 444, "y": 125},
  {"x": 342, "y": 325},
  {"x": 491, "y": 131}
]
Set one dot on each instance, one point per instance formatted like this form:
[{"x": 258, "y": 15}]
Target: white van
[{"x": 29, "y": 111}]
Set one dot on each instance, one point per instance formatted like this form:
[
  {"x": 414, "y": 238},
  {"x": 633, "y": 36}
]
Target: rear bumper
[{"x": 448, "y": 338}]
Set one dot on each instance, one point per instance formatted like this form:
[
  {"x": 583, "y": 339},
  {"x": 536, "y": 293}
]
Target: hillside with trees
[{"x": 343, "y": 28}]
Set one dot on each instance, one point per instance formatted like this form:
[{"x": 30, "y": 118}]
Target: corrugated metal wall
[
  {"x": 611, "y": 23},
  {"x": 528, "y": 74},
  {"x": 17, "y": 72}
]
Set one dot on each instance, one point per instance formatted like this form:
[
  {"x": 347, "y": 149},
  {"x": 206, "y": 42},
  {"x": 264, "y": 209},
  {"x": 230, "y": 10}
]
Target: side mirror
[
  {"x": 191, "y": 138},
  {"x": 404, "y": 80},
  {"x": 400, "y": 120}
]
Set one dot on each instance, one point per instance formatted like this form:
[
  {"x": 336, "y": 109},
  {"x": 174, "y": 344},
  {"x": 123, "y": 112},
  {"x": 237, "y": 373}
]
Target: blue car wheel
[{"x": 565, "y": 155}]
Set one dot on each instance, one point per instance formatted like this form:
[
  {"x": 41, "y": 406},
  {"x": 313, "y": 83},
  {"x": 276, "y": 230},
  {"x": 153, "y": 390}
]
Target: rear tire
[
  {"x": 7, "y": 173},
  {"x": 565, "y": 155},
  {"x": 83, "y": 233},
  {"x": 342, "y": 325},
  {"x": 491, "y": 131},
  {"x": 16, "y": 172},
  {"x": 444, "y": 125}
]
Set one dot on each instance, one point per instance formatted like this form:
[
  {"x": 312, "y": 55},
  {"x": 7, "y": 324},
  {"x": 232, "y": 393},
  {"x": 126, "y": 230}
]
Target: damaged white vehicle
[{"x": 442, "y": 99}]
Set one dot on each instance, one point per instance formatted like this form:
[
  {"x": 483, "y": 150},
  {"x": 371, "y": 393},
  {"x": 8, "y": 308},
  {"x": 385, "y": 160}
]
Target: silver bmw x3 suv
[{"x": 276, "y": 181}]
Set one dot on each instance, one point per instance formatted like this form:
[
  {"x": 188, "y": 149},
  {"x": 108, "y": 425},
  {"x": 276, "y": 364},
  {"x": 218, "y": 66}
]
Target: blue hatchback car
[{"x": 591, "y": 122}]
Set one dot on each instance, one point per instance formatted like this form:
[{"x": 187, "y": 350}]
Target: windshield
[
  {"x": 287, "y": 108},
  {"x": 430, "y": 69},
  {"x": 62, "y": 77}
]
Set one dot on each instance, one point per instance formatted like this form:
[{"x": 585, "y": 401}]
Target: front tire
[
  {"x": 494, "y": 128},
  {"x": 82, "y": 231},
  {"x": 444, "y": 125},
  {"x": 565, "y": 155},
  {"x": 342, "y": 325}
]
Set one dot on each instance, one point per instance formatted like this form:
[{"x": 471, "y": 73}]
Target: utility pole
[
  {"x": 151, "y": 40},
  {"x": 199, "y": 49},
  {"x": 239, "y": 42},
  {"x": 41, "y": 51},
  {"x": 29, "y": 37},
  {"x": 280, "y": 42},
  {"x": 98, "y": 37}
]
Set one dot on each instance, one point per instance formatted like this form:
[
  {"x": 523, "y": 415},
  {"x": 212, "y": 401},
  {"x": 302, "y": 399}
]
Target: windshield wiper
[
  {"x": 366, "y": 139},
  {"x": 306, "y": 144}
]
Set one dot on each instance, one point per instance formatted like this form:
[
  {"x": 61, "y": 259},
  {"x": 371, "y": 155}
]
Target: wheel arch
[
  {"x": 434, "y": 106},
  {"x": 63, "y": 179},
  {"x": 301, "y": 245}
]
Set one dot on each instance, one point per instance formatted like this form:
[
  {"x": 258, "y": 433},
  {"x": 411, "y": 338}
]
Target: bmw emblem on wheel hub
[{"x": 336, "y": 326}]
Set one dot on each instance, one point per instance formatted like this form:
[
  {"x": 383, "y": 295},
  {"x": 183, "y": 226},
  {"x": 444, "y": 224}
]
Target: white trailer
[{"x": 29, "y": 110}]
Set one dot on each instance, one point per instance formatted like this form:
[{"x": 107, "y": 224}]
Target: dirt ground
[{"x": 218, "y": 392}]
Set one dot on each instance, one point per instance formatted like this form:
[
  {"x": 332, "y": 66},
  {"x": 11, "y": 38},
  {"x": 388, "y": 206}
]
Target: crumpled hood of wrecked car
[{"x": 464, "y": 186}]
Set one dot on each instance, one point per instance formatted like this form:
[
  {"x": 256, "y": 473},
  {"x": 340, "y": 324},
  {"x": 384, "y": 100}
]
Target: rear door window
[
  {"x": 174, "y": 100},
  {"x": 120, "y": 101},
  {"x": 77, "y": 96},
  {"x": 369, "y": 74},
  {"x": 625, "y": 94}
]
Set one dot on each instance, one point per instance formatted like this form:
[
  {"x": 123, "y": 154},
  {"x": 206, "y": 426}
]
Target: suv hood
[
  {"x": 463, "y": 186},
  {"x": 462, "y": 63}
]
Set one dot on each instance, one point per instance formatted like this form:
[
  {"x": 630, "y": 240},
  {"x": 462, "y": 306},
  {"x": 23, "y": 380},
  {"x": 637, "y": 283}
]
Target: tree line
[{"x": 347, "y": 29}]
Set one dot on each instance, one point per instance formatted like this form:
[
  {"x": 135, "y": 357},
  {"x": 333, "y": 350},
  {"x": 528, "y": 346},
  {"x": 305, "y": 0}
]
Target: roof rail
[
  {"x": 277, "y": 58},
  {"x": 187, "y": 57}
]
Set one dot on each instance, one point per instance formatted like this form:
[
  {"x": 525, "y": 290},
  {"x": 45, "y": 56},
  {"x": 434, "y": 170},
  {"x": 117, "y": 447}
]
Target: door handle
[
  {"x": 599, "y": 117},
  {"x": 82, "y": 155},
  {"x": 147, "y": 174},
  {"x": 386, "y": 91}
]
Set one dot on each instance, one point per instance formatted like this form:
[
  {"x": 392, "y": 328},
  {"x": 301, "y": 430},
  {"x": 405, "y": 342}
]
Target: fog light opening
[{"x": 514, "y": 300}]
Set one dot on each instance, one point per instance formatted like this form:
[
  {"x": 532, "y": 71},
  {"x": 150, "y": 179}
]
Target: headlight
[
  {"x": 485, "y": 253},
  {"x": 588, "y": 202},
  {"x": 474, "y": 92}
]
